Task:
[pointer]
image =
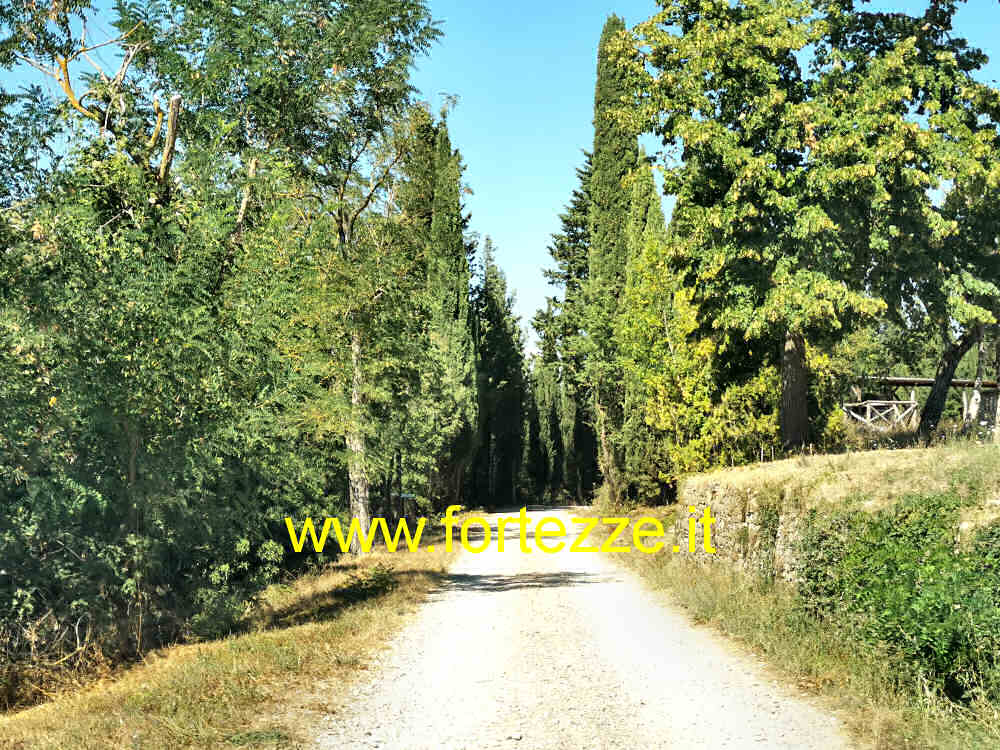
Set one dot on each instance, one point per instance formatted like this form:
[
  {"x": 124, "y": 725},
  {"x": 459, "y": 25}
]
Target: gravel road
[{"x": 565, "y": 651}]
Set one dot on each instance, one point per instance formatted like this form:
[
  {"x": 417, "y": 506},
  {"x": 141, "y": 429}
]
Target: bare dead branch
[
  {"x": 98, "y": 68},
  {"x": 83, "y": 48},
  {"x": 37, "y": 65},
  {"x": 171, "y": 137},
  {"x": 129, "y": 56},
  {"x": 116, "y": 40},
  {"x": 241, "y": 214},
  {"x": 159, "y": 123},
  {"x": 374, "y": 187}
]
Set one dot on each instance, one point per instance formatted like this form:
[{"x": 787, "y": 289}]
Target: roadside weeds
[
  {"x": 881, "y": 705},
  {"x": 255, "y": 690}
]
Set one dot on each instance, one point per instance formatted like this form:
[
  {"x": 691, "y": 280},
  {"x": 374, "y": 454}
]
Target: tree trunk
[
  {"x": 934, "y": 407},
  {"x": 397, "y": 510},
  {"x": 385, "y": 508},
  {"x": 794, "y": 392},
  {"x": 972, "y": 414},
  {"x": 170, "y": 141},
  {"x": 356, "y": 471},
  {"x": 996, "y": 377},
  {"x": 607, "y": 464}
]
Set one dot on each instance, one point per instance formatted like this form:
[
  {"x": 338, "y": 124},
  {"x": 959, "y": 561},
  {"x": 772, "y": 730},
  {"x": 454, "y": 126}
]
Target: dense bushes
[
  {"x": 255, "y": 304},
  {"x": 898, "y": 578},
  {"x": 146, "y": 461}
]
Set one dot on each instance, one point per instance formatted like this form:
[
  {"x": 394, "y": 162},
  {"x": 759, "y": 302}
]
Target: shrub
[{"x": 898, "y": 579}]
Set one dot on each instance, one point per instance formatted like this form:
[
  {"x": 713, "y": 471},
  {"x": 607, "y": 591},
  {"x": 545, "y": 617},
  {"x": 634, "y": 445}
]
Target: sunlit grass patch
[
  {"x": 884, "y": 702},
  {"x": 884, "y": 612},
  {"x": 880, "y": 477},
  {"x": 261, "y": 689}
]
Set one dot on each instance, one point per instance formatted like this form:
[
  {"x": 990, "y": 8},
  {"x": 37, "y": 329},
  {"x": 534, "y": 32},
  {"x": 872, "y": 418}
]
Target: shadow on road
[{"x": 498, "y": 582}]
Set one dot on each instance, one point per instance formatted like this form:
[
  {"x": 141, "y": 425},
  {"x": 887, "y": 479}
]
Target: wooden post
[
  {"x": 977, "y": 389},
  {"x": 996, "y": 376}
]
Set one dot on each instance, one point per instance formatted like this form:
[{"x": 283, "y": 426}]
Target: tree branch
[
  {"x": 170, "y": 138},
  {"x": 37, "y": 65},
  {"x": 67, "y": 87},
  {"x": 375, "y": 186},
  {"x": 241, "y": 214},
  {"x": 85, "y": 50},
  {"x": 159, "y": 123}
]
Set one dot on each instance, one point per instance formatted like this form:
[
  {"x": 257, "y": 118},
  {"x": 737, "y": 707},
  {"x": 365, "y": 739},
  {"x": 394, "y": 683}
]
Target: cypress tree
[
  {"x": 450, "y": 329},
  {"x": 646, "y": 462},
  {"x": 614, "y": 155},
  {"x": 559, "y": 329},
  {"x": 499, "y": 447},
  {"x": 570, "y": 247},
  {"x": 416, "y": 194},
  {"x": 535, "y": 462},
  {"x": 548, "y": 392}
]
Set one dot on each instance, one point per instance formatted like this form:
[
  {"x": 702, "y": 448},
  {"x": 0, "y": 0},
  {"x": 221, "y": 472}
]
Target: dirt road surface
[{"x": 565, "y": 650}]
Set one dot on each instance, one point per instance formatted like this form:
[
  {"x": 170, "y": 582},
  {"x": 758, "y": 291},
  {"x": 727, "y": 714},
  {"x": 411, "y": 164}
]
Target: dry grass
[
  {"x": 876, "y": 477},
  {"x": 263, "y": 689},
  {"x": 883, "y": 705}
]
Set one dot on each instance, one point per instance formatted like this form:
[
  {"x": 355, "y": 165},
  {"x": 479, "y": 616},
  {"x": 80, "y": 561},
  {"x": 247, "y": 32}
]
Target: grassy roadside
[
  {"x": 884, "y": 704},
  {"x": 885, "y": 697},
  {"x": 264, "y": 689}
]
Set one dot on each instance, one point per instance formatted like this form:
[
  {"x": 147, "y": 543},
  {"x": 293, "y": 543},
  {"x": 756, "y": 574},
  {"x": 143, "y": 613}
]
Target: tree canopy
[{"x": 235, "y": 287}]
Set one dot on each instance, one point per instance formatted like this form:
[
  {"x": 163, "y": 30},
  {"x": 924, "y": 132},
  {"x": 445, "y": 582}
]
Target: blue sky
[{"x": 524, "y": 73}]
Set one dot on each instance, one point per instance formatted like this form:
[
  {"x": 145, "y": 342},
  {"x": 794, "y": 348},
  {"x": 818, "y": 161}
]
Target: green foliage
[
  {"x": 834, "y": 435},
  {"x": 647, "y": 452},
  {"x": 614, "y": 157},
  {"x": 818, "y": 154},
  {"x": 27, "y": 132},
  {"x": 547, "y": 460},
  {"x": 152, "y": 464},
  {"x": 767, "y": 540},
  {"x": 195, "y": 346},
  {"x": 496, "y": 467},
  {"x": 897, "y": 576},
  {"x": 451, "y": 331},
  {"x": 567, "y": 400}
]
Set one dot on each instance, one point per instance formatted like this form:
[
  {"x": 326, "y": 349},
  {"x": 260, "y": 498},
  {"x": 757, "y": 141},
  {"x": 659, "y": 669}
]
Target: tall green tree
[
  {"x": 559, "y": 329},
  {"x": 614, "y": 157},
  {"x": 535, "y": 467},
  {"x": 502, "y": 390},
  {"x": 450, "y": 323},
  {"x": 805, "y": 173},
  {"x": 548, "y": 393},
  {"x": 332, "y": 87},
  {"x": 762, "y": 257},
  {"x": 647, "y": 466},
  {"x": 211, "y": 308}
]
